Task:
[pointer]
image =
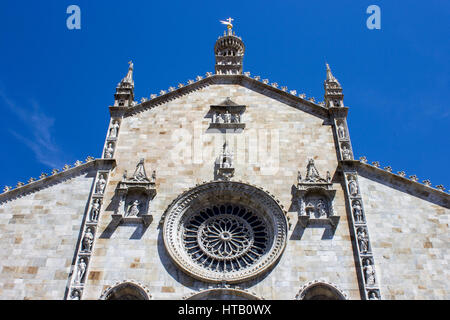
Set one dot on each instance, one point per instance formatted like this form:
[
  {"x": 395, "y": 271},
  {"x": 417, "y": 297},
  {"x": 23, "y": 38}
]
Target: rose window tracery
[
  {"x": 225, "y": 238},
  {"x": 225, "y": 231}
]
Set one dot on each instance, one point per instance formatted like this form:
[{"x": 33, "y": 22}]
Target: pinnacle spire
[
  {"x": 333, "y": 90},
  {"x": 125, "y": 89},
  {"x": 129, "y": 77},
  {"x": 330, "y": 76}
]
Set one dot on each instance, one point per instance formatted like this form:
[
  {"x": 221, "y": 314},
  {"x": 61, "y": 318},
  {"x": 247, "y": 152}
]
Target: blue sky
[{"x": 56, "y": 84}]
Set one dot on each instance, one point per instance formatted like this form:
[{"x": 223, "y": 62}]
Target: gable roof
[{"x": 263, "y": 87}]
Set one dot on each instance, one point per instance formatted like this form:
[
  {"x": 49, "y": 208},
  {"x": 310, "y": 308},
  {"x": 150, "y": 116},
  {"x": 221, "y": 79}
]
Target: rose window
[
  {"x": 225, "y": 231},
  {"x": 225, "y": 238}
]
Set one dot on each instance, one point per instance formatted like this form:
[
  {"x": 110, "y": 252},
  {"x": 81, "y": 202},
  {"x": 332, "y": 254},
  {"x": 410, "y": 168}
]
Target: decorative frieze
[
  {"x": 78, "y": 274},
  {"x": 227, "y": 115}
]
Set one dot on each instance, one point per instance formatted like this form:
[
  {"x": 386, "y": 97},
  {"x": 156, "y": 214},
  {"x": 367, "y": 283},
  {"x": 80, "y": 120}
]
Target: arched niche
[
  {"x": 320, "y": 290},
  {"x": 127, "y": 290},
  {"x": 223, "y": 294}
]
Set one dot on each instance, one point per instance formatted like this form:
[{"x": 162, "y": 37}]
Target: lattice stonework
[{"x": 225, "y": 240}]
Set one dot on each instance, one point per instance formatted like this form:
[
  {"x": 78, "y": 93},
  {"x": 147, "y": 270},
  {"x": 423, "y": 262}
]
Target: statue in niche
[
  {"x": 227, "y": 157},
  {"x": 341, "y": 131},
  {"x": 328, "y": 177},
  {"x": 236, "y": 118},
  {"x": 81, "y": 269},
  {"x": 309, "y": 209},
  {"x": 121, "y": 206},
  {"x": 134, "y": 209},
  {"x": 109, "y": 151},
  {"x": 302, "y": 208},
  {"x": 321, "y": 209},
  {"x": 363, "y": 241},
  {"x": 373, "y": 295},
  {"x": 75, "y": 295},
  {"x": 369, "y": 272},
  {"x": 357, "y": 211},
  {"x": 114, "y": 129},
  {"x": 227, "y": 117},
  {"x": 95, "y": 210},
  {"x": 346, "y": 154},
  {"x": 153, "y": 176},
  {"x": 101, "y": 183},
  {"x": 88, "y": 240},
  {"x": 219, "y": 118},
  {"x": 352, "y": 186}
]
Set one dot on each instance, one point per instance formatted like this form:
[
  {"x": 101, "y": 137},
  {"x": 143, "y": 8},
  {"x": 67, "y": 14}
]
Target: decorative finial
[{"x": 229, "y": 25}]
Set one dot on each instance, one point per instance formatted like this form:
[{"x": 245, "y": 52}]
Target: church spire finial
[
  {"x": 229, "y": 25},
  {"x": 333, "y": 90},
  {"x": 229, "y": 51},
  {"x": 330, "y": 76},
  {"x": 129, "y": 77},
  {"x": 125, "y": 89}
]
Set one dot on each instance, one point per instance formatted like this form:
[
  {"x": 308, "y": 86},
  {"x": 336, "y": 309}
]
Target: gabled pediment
[{"x": 272, "y": 91}]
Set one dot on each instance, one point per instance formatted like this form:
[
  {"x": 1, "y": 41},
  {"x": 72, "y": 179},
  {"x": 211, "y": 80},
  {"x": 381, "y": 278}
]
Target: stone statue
[
  {"x": 352, "y": 186},
  {"x": 95, "y": 210},
  {"x": 81, "y": 269},
  {"x": 299, "y": 177},
  {"x": 236, "y": 118},
  {"x": 341, "y": 131},
  {"x": 227, "y": 117},
  {"x": 88, "y": 240},
  {"x": 312, "y": 174},
  {"x": 346, "y": 154},
  {"x": 109, "y": 151},
  {"x": 134, "y": 209},
  {"x": 75, "y": 295},
  {"x": 328, "y": 177},
  {"x": 373, "y": 295},
  {"x": 114, "y": 129},
  {"x": 321, "y": 209},
  {"x": 153, "y": 176},
  {"x": 139, "y": 173},
  {"x": 101, "y": 183},
  {"x": 369, "y": 273},
  {"x": 121, "y": 206},
  {"x": 357, "y": 211},
  {"x": 363, "y": 241}
]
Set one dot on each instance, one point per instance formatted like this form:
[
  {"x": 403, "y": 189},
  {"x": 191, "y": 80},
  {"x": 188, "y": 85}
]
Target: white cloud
[{"x": 36, "y": 133}]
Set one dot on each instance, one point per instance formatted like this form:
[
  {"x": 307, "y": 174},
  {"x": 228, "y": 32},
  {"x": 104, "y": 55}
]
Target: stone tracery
[{"x": 222, "y": 239}]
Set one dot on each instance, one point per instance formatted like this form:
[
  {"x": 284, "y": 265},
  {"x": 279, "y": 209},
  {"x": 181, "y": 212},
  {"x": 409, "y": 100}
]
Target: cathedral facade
[{"x": 225, "y": 187}]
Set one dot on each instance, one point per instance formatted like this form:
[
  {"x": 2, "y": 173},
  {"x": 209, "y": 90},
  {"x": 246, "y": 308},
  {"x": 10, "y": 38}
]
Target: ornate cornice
[
  {"x": 400, "y": 179},
  {"x": 56, "y": 176}
]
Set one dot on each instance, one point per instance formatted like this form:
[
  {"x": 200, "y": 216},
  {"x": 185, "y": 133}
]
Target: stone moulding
[
  {"x": 220, "y": 79},
  {"x": 48, "y": 180},
  {"x": 141, "y": 289},
  {"x": 238, "y": 292},
  {"x": 311, "y": 284},
  {"x": 401, "y": 178},
  {"x": 263, "y": 205}
]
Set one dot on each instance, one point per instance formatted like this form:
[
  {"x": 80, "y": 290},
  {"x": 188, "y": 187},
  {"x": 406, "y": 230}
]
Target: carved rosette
[{"x": 225, "y": 232}]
